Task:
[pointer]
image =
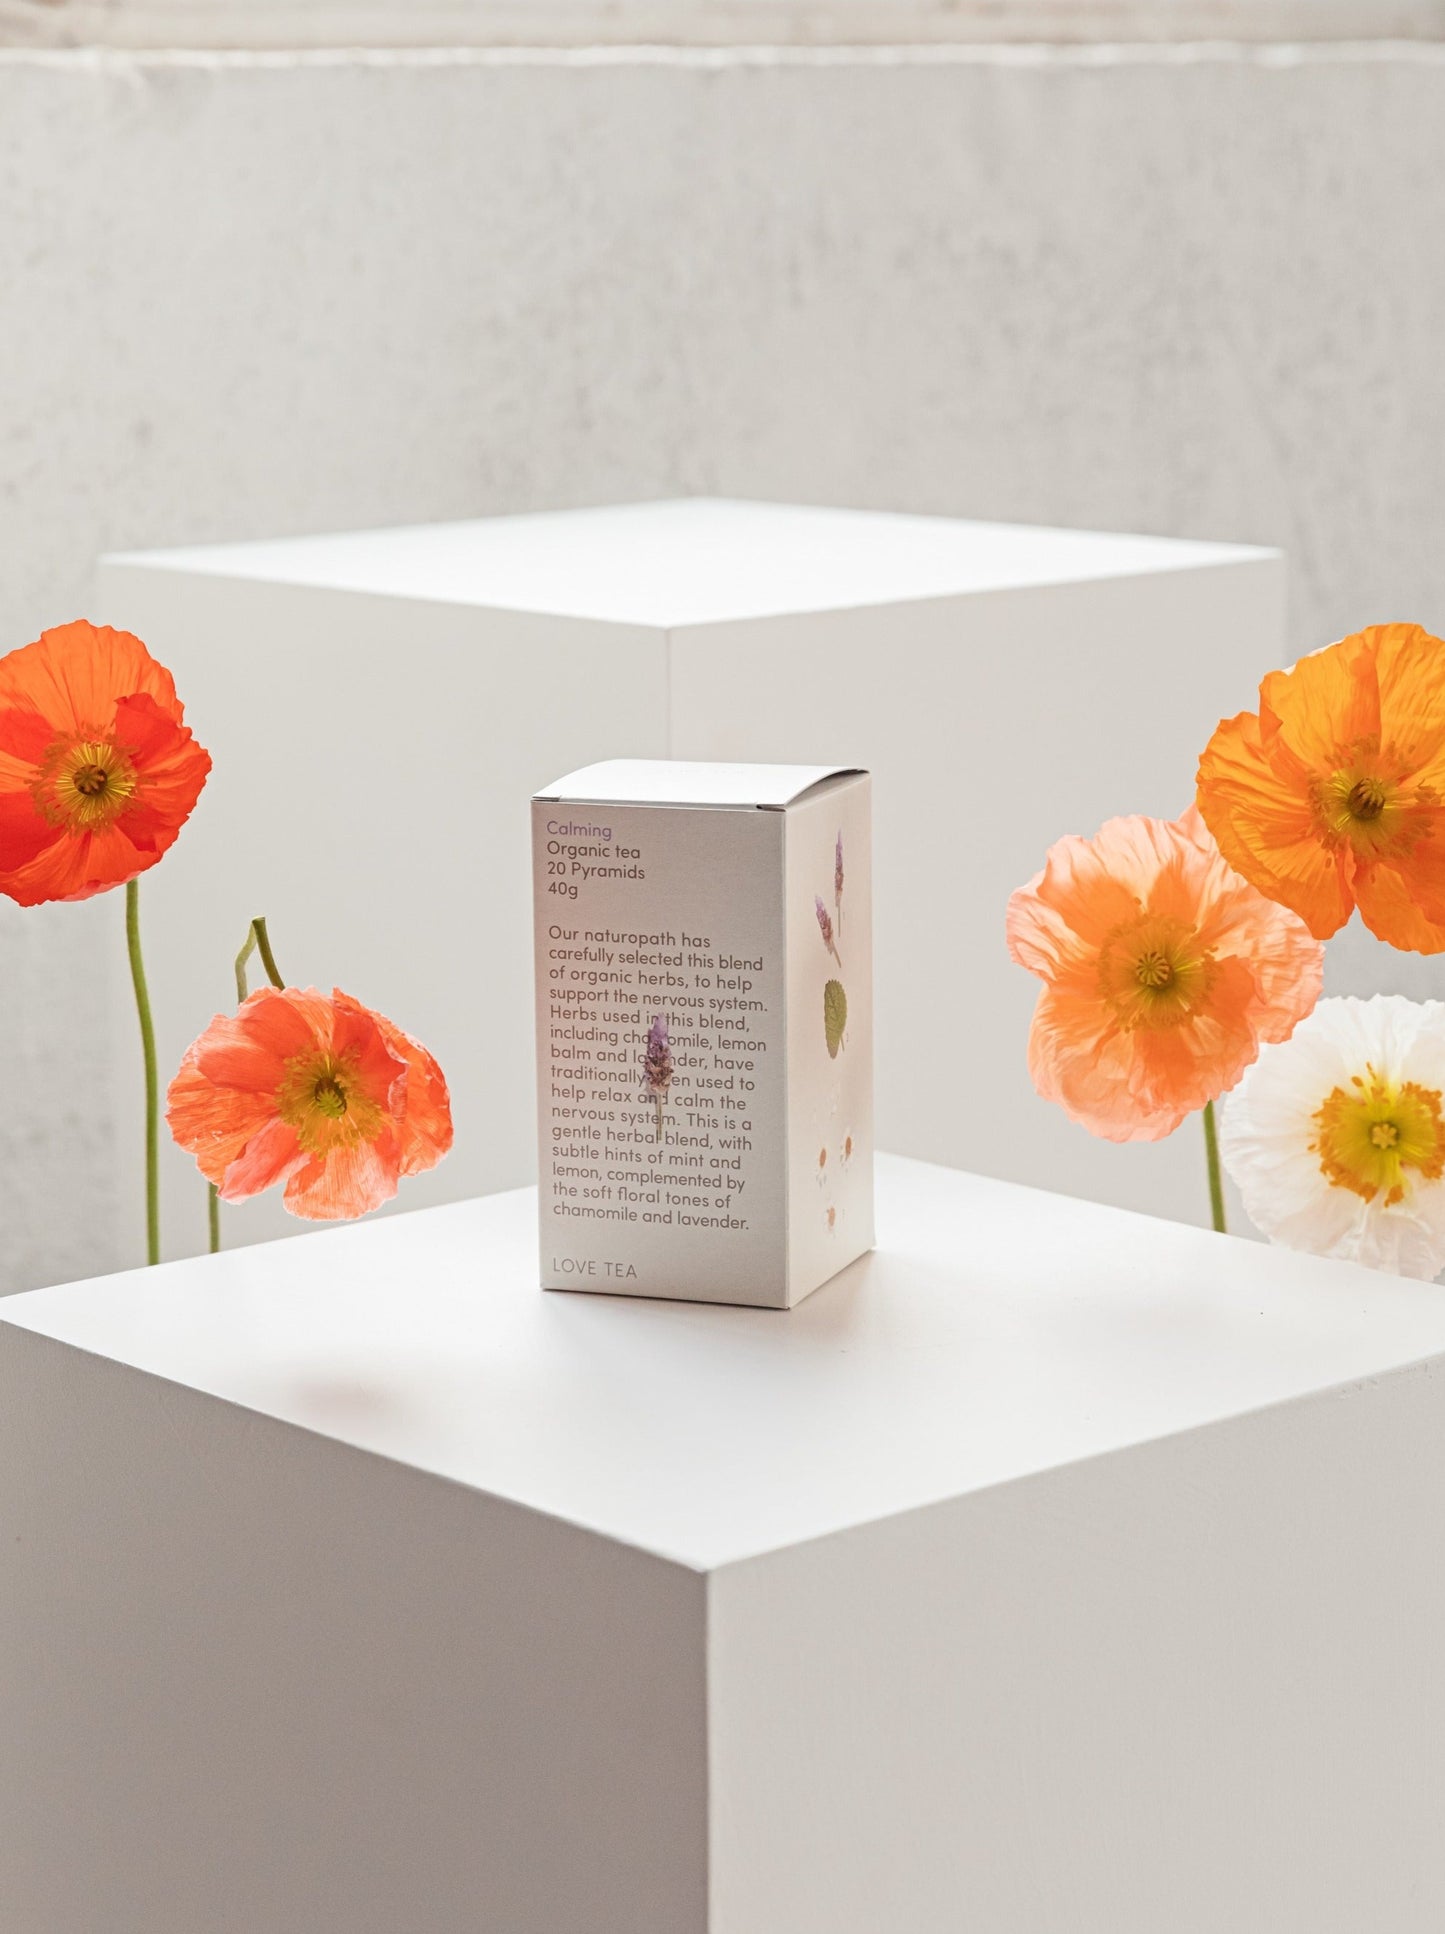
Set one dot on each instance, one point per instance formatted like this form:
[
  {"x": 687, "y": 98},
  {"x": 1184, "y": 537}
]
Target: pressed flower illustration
[
  {"x": 657, "y": 1065},
  {"x": 1163, "y": 974},
  {"x": 1332, "y": 795},
  {"x": 835, "y": 1016},
  {"x": 846, "y": 1157},
  {"x": 822, "y": 1171},
  {"x": 1336, "y": 1140},
  {"x": 98, "y": 773},
  {"x": 838, "y": 879},
  {"x": 825, "y": 926},
  {"x": 312, "y": 1091}
]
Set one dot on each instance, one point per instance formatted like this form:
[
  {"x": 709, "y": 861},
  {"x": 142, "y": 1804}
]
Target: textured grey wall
[{"x": 1194, "y": 292}]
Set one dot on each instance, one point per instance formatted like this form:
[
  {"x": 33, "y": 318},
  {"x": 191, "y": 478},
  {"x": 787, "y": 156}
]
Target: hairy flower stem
[
  {"x": 257, "y": 941},
  {"x": 1216, "y": 1180},
  {"x": 152, "y": 1081}
]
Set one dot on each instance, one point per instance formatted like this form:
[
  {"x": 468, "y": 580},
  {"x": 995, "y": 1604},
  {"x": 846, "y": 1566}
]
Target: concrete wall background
[{"x": 1187, "y": 291}]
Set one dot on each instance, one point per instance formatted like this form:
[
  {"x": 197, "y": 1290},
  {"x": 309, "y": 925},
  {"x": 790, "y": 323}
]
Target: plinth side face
[
  {"x": 253, "y": 1679},
  {"x": 667, "y": 1180}
]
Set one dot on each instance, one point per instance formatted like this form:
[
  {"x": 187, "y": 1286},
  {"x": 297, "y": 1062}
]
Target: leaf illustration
[{"x": 835, "y": 1016}]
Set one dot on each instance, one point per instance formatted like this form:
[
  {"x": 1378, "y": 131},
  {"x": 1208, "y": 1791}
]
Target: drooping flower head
[
  {"x": 1336, "y": 1138},
  {"x": 98, "y": 770},
  {"x": 1332, "y": 795},
  {"x": 1163, "y": 973},
  {"x": 313, "y": 1091}
]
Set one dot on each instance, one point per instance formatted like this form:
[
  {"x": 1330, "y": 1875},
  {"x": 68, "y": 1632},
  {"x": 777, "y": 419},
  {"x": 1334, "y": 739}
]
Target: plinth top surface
[
  {"x": 694, "y": 561},
  {"x": 996, "y": 1332}
]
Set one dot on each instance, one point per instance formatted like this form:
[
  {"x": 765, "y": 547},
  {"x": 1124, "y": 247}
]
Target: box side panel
[
  {"x": 373, "y": 761},
  {"x": 254, "y": 1680},
  {"x": 993, "y": 725},
  {"x": 1191, "y": 1686},
  {"x": 830, "y": 1033},
  {"x": 662, "y": 1165}
]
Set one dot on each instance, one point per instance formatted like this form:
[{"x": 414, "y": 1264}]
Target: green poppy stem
[
  {"x": 152, "y": 1080},
  {"x": 1216, "y": 1179},
  {"x": 257, "y": 941},
  {"x": 263, "y": 947}
]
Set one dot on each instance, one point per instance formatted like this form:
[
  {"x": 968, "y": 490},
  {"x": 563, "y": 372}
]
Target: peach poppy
[
  {"x": 1163, "y": 973},
  {"x": 1332, "y": 795},
  {"x": 319, "y": 1093},
  {"x": 98, "y": 770}
]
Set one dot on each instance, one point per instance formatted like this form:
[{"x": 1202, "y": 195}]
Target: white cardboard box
[
  {"x": 704, "y": 1048},
  {"x": 381, "y": 706},
  {"x": 1051, "y": 1568}
]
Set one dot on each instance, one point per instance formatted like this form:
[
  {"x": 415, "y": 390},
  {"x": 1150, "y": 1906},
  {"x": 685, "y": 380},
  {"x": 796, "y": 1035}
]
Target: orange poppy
[
  {"x": 98, "y": 771},
  {"x": 319, "y": 1093},
  {"x": 1163, "y": 974},
  {"x": 1332, "y": 795}
]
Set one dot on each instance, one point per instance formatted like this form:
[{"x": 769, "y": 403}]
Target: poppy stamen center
[
  {"x": 1153, "y": 972},
  {"x": 330, "y": 1097},
  {"x": 328, "y": 1100},
  {"x": 84, "y": 784},
  {"x": 1367, "y": 807},
  {"x": 90, "y": 780},
  {"x": 1366, "y": 799},
  {"x": 1378, "y": 1137}
]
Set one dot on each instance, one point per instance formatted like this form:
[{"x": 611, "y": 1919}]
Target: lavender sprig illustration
[
  {"x": 657, "y": 1065},
  {"x": 825, "y": 927},
  {"x": 838, "y": 879}
]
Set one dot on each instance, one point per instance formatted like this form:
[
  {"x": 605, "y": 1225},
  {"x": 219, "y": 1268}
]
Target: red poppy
[{"x": 98, "y": 770}]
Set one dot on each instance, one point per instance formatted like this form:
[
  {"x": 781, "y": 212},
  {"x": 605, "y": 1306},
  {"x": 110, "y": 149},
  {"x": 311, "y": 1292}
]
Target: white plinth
[
  {"x": 382, "y": 704},
  {"x": 1051, "y": 1569}
]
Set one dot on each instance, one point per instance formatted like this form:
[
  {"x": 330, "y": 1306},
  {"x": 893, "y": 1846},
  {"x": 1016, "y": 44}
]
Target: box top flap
[{"x": 687, "y": 782}]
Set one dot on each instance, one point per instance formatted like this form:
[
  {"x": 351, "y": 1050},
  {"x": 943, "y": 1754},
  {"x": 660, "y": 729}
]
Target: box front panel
[{"x": 661, "y": 1056}]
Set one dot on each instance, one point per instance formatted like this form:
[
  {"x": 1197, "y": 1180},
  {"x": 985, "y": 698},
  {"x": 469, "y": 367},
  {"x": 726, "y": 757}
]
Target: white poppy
[{"x": 1336, "y": 1137}]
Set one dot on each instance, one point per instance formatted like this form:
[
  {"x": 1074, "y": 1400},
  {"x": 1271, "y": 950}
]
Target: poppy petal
[
  {"x": 1266, "y": 830},
  {"x": 270, "y": 1156},
  {"x": 25, "y": 735},
  {"x": 349, "y": 1182}
]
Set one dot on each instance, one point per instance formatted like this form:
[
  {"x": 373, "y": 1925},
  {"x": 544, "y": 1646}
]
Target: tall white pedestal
[
  {"x": 382, "y": 704},
  {"x": 1053, "y": 1568}
]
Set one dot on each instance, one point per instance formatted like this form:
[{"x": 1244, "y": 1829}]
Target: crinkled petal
[
  {"x": 73, "y": 675},
  {"x": 1403, "y": 903},
  {"x": 349, "y": 1182},
  {"x": 249, "y": 1050},
  {"x": 1263, "y": 823},
  {"x": 1325, "y": 702},
  {"x": 1410, "y": 676},
  {"x": 271, "y": 1155},
  {"x": 1079, "y": 1058},
  {"x": 426, "y": 1124}
]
